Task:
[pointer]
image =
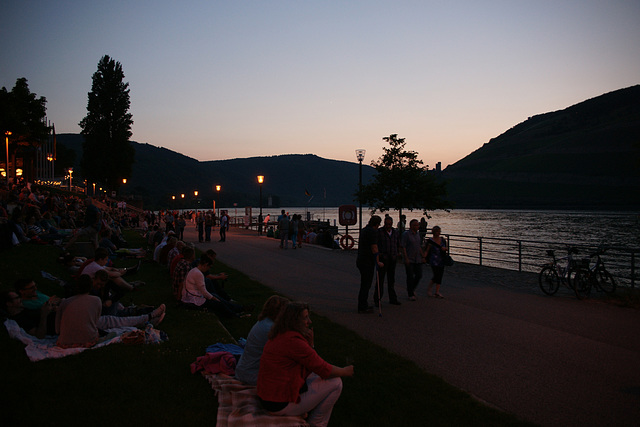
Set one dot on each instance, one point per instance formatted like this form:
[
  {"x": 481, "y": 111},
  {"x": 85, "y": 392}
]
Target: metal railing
[{"x": 527, "y": 255}]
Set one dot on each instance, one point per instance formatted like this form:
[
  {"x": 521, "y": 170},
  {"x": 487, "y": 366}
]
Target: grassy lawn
[{"x": 152, "y": 384}]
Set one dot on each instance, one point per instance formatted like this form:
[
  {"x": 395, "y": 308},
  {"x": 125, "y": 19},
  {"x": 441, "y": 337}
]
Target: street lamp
[
  {"x": 260, "y": 182},
  {"x": 70, "y": 178},
  {"x": 360, "y": 156},
  {"x": 218, "y": 188},
  {"x": 195, "y": 194},
  {"x": 6, "y": 136}
]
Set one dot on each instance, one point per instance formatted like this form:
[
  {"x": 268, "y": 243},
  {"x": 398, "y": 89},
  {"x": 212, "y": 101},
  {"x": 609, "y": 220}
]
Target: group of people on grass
[
  {"x": 91, "y": 302},
  {"x": 279, "y": 358},
  {"x": 91, "y": 307},
  {"x": 379, "y": 250}
]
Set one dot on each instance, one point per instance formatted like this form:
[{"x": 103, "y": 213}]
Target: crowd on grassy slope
[
  {"x": 291, "y": 378},
  {"x": 90, "y": 303}
]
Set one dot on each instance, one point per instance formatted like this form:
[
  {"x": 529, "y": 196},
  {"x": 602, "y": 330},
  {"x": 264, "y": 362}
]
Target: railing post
[
  {"x": 633, "y": 269},
  {"x": 479, "y": 250},
  {"x": 520, "y": 255}
]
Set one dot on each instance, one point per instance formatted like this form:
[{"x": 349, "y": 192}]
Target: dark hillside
[
  {"x": 159, "y": 173},
  {"x": 585, "y": 156}
]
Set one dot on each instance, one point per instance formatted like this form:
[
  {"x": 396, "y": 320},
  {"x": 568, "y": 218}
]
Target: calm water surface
[{"x": 571, "y": 227}]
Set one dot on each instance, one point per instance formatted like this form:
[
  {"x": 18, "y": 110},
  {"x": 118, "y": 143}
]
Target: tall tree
[
  {"x": 402, "y": 182},
  {"x": 23, "y": 114},
  {"x": 108, "y": 155}
]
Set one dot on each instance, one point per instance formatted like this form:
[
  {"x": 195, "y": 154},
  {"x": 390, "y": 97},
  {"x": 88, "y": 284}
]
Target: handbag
[{"x": 447, "y": 261}]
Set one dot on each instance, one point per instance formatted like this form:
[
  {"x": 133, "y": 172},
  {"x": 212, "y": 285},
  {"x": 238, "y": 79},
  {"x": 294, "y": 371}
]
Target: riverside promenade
[{"x": 555, "y": 361}]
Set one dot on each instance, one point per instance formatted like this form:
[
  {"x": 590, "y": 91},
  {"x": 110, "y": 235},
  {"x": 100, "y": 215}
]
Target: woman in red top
[{"x": 293, "y": 379}]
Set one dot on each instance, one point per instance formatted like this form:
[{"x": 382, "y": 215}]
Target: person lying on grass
[{"x": 99, "y": 262}]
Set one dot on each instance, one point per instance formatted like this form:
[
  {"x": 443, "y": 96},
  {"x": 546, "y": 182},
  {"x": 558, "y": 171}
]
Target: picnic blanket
[
  {"x": 238, "y": 405},
  {"x": 46, "y": 348}
]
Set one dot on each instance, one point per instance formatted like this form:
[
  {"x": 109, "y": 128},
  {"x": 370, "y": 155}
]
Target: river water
[
  {"x": 589, "y": 228},
  {"x": 516, "y": 239}
]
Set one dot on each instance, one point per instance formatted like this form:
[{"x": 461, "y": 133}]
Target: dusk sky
[{"x": 231, "y": 79}]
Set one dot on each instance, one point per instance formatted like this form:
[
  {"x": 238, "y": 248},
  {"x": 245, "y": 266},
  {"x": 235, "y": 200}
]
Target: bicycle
[
  {"x": 593, "y": 274},
  {"x": 554, "y": 273}
]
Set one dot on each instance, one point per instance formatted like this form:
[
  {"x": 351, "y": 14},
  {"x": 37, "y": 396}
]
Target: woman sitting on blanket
[
  {"x": 293, "y": 379},
  {"x": 249, "y": 363}
]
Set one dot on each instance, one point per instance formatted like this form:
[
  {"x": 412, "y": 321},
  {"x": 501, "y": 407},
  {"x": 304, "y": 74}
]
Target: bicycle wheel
[
  {"x": 604, "y": 281},
  {"x": 581, "y": 284},
  {"x": 549, "y": 280}
]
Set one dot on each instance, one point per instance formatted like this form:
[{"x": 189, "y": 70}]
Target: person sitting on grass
[
  {"x": 100, "y": 260},
  {"x": 293, "y": 379},
  {"x": 163, "y": 256},
  {"x": 181, "y": 269},
  {"x": 215, "y": 282},
  {"x": 79, "y": 320},
  {"x": 249, "y": 363},
  {"x": 36, "y": 322},
  {"x": 31, "y": 297},
  {"x": 196, "y": 293}
]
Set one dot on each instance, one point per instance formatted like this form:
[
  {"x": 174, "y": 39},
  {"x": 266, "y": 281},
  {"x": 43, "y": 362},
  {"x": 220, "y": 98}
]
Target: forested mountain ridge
[{"x": 585, "y": 156}]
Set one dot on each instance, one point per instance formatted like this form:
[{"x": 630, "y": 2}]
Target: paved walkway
[{"x": 551, "y": 360}]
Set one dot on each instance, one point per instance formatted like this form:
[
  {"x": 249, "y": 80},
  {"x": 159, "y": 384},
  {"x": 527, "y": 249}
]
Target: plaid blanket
[{"x": 238, "y": 405}]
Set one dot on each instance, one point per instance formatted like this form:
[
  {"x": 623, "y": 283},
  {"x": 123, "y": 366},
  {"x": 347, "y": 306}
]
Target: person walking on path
[
  {"x": 293, "y": 230},
  {"x": 413, "y": 257},
  {"x": 200, "y": 226},
  {"x": 436, "y": 249},
  {"x": 388, "y": 243},
  {"x": 224, "y": 226},
  {"x": 208, "y": 224},
  {"x": 283, "y": 227},
  {"x": 367, "y": 261}
]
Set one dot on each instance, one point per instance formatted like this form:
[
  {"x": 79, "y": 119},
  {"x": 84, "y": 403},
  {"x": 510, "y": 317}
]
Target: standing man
[
  {"x": 283, "y": 227},
  {"x": 200, "y": 226},
  {"x": 413, "y": 257},
  {"x": 224, "y": 226},
  {"x": 388, "y": 243},
  {"x": 367, "y": 260}
]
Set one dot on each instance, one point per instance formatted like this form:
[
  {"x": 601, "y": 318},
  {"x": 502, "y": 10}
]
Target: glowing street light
[
  {"x": 6, "y": 135},
  {"x": 260, "y": 182},
  {"x": 70, "y": 178},
  {"x": 360, "y": 156},
  {"x": 218, "y": 188}
]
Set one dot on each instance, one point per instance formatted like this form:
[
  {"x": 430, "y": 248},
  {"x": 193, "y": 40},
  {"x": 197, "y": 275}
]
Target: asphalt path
[{"x": 555, "y": 361}]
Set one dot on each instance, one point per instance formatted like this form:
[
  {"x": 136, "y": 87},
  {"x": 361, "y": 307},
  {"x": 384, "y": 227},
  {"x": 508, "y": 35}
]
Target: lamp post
[
  {"x": 70, "y": 178},
  {"x": 6, "y": 137},
  {"x": 195, "y": 194},
  {"x": 260, "y": 182},
  {"x": 360, "y": 156},
  {"x": 218, "y": 188}
]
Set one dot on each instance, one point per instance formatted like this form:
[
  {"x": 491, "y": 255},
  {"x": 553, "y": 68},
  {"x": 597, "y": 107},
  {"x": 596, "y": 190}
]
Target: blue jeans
[{"x": 414, "y": 274}]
